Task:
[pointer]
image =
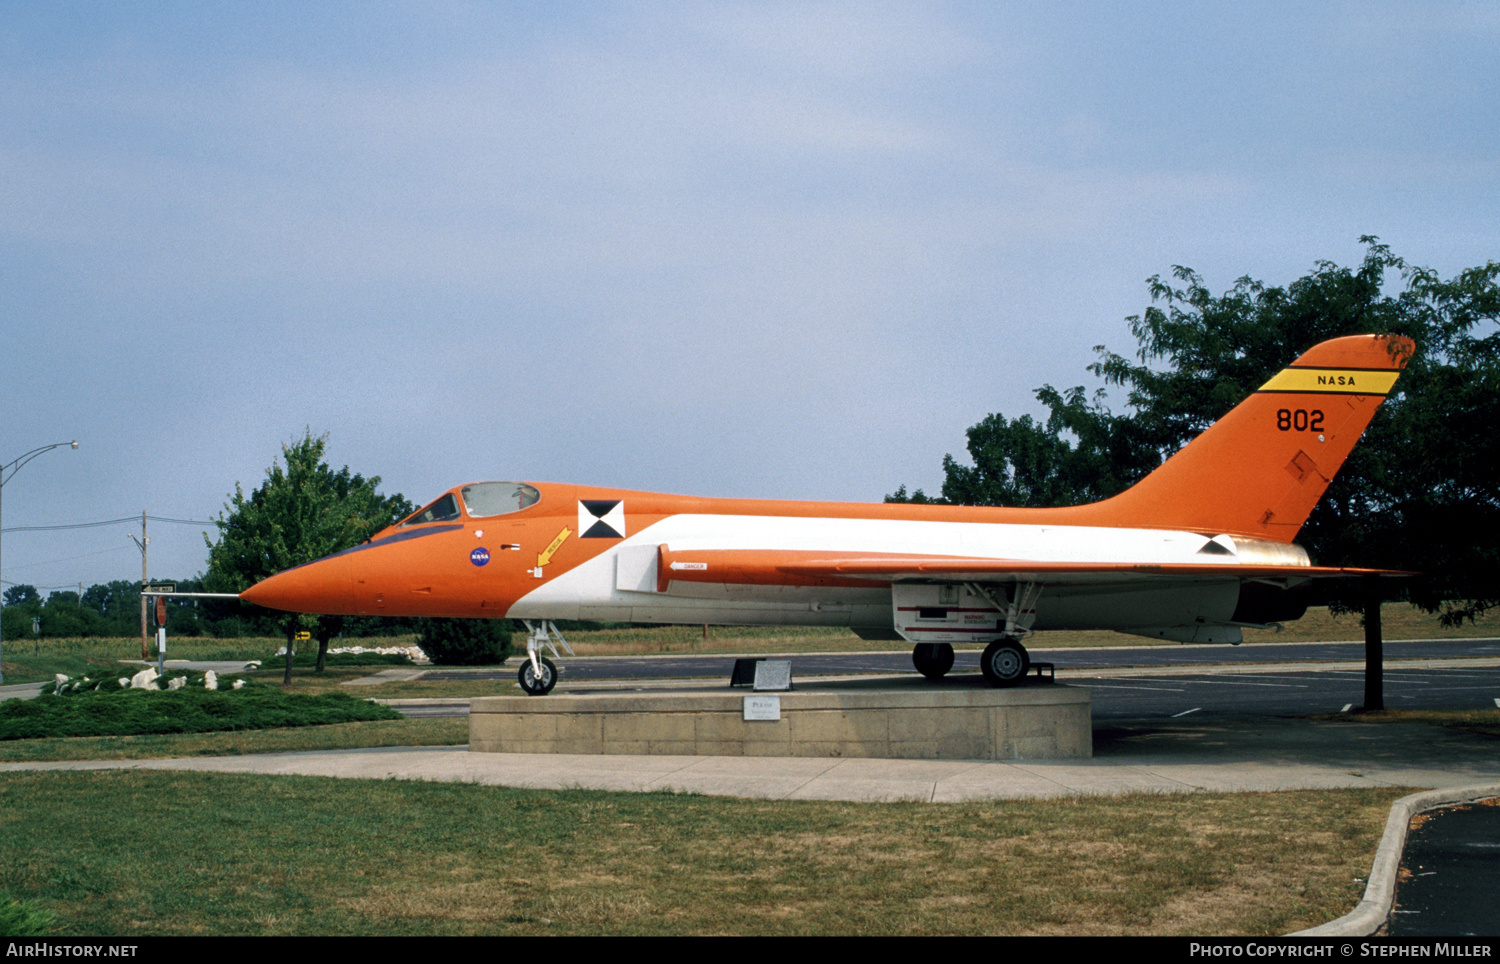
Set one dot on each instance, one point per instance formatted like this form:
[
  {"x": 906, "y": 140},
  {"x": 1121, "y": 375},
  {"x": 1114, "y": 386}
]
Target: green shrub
[
  {"x": 464, "y": 642},
  {"x": 188, "y": 710}
]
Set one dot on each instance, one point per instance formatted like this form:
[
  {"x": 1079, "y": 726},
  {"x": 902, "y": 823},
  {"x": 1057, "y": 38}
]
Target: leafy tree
[
  {"x": 63, "y": 614},
  {"x": 1422, "y": 489},
  {"x": 304, "y": 511},
  {"x": 117, "y": 601},
  {"x": 1081, "y": 453},
  {"x": 22, "y": 603},
  {"x": 21, "y": 595}
]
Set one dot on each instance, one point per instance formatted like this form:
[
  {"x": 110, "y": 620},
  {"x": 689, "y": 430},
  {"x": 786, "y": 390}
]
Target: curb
[{"x": 1380, "y": 893}]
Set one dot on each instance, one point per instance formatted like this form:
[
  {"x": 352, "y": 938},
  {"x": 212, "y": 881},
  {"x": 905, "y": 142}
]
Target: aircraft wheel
[
  {"x": 533, "y": 685},
  {"x": 932, "y": 660},
  {"x": 1005, "y": 662}
]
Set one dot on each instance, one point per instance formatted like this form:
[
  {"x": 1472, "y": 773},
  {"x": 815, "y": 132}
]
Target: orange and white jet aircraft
[{"x": 1199, "y": 548}]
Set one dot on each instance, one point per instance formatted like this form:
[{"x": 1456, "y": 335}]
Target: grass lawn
[
  {"x": 334, "y": 736},
  {"x": 333, "y": 680},
  {"x": 133, "y": 853}
]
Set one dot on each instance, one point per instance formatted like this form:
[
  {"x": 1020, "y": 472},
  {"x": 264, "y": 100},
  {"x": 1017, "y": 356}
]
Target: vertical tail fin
[{"x": 1259, "y": 470}]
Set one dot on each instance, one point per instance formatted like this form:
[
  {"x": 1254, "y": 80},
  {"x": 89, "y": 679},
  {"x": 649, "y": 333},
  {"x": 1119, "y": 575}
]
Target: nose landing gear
[
  {"x": 538, "y": 673},
  {"x": 538, "y": 684}
]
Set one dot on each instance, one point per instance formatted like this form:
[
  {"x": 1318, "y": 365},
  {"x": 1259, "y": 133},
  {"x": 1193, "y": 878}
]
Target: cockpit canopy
[{"x": 480, "y": 500}]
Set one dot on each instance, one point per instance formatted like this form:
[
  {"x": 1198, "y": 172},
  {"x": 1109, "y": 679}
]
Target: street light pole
[
  {"x": 8, "y": 472},
  {"x": 144, "y": 541}
]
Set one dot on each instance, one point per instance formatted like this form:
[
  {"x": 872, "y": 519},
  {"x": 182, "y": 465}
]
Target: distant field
[
  {"x": 184, "y": 647},
  {"x": 31, "y": 661},
  {"x": 1399, "y": 620}
]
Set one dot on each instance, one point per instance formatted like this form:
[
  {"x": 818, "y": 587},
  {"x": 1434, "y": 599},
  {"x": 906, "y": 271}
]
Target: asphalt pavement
[{"x": 1450, "y": 873}]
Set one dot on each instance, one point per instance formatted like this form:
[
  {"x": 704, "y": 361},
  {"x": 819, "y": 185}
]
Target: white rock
[
  {"x": 413, "y": 652},
  {"x": 144, "y": 680},
  {"x": 124, "y": 681},
  {"x": 58, "y": 681},
  {"x": 210, "y": 680},
  {"x": 176, "y": 682},
  {"x": 239, "y": 683}
]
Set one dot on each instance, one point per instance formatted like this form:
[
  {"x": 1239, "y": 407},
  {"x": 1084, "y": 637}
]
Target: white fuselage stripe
[{"x": 590, "y": 589}]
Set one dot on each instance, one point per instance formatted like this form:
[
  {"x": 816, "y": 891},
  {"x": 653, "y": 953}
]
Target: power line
[
  {"x": 50, "y": 562},
  {"x": 75, "y": 525},
  {"x": 110, "y": 522}
]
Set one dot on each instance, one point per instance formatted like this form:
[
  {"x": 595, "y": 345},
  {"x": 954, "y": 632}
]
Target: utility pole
[{"x": 143, "y": 542}]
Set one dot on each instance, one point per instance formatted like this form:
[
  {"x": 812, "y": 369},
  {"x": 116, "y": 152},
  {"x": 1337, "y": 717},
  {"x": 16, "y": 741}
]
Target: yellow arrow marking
[{"x": 546, "y": 555}]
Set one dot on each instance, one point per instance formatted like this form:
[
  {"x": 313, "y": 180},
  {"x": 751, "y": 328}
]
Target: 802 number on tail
[{"x": 1299, "y": 420}]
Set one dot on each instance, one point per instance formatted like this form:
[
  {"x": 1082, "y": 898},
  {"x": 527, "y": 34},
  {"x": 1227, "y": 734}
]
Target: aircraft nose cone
[{"x": 324, "y": 587}]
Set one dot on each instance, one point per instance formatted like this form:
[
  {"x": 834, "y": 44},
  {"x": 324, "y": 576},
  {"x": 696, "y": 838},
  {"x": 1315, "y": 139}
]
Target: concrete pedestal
[{"x": 898, "y": 718}]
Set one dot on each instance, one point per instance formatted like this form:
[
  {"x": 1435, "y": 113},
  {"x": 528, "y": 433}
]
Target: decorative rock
[
  {"x": 124, "y": 682},
  {"x": 58, "y": 681},
  {"x": 144, "y": 680},
  {"x": 176, "y": 682},
  {"x": 210, "y": 680},
  {"x": 239, "y": 683}
]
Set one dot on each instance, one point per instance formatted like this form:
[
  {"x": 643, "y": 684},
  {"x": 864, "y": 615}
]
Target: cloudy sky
[{"x": 768, "y": 250}]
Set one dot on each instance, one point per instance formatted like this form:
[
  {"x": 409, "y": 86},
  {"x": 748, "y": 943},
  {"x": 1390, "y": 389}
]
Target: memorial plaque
[
  {"x": 762, "y": 708},
  {"x": 773, "y": 674}
]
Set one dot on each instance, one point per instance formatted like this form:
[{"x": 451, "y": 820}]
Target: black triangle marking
[
  {"x": 601, "y": 530},
  {"x": 598, "y": 508}
]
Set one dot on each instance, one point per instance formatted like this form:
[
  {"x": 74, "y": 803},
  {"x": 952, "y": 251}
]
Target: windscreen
[
  {"x": 444, "y": 509},
  {"x": 497, "y": 498}
]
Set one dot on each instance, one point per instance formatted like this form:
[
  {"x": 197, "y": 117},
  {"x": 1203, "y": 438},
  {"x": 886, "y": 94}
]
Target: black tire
[
  {"x": 534, "y": 686},
  {"x": 1005, "y": 662},
  {"x": 932, "y": 660}
]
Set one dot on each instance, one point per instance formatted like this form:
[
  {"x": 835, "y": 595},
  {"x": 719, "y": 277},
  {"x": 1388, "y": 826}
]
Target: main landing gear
[
  {"x": 932, "y": 660},
  {"x": 1005, "y": 662},
  {"x": 538, "y": 673}
]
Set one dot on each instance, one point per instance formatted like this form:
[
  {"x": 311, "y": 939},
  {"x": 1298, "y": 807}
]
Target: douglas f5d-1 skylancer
[{"x": 1199, "y": 548}]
